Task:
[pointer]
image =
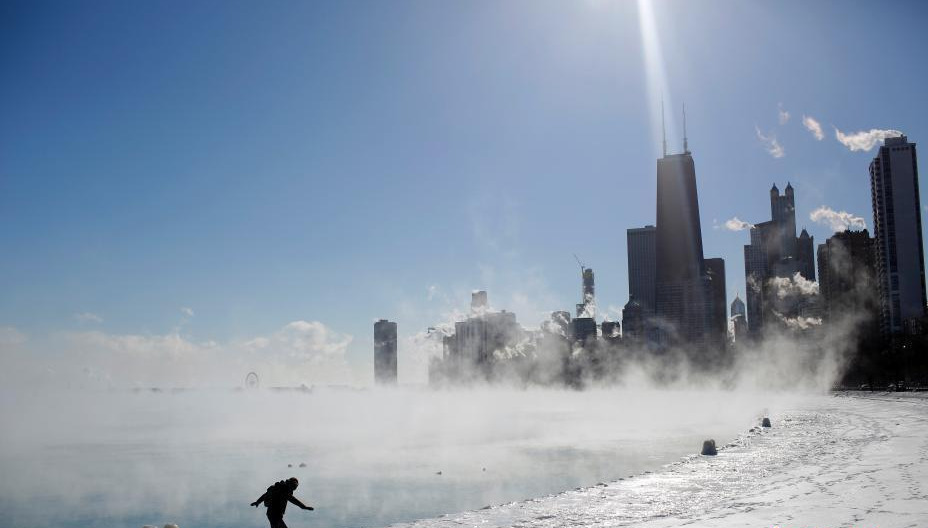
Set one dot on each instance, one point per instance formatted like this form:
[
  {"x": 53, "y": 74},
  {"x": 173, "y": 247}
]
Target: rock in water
[
  {"x": 302, "y": 464},
  {"x": 766, "y": 422},
  {"x": 708, "y": 448},
  {"x": 170, "y": 525}
]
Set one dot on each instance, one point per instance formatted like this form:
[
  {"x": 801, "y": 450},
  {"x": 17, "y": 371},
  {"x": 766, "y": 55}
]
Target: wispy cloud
[
  {"x": 813, "y": 126},
  {"x": 187, "y": 311},
  {"x": 770, "y": 143},
  {"x": 837, "y": 220},
  {"x": 736, "y": 224},
  {"x": 88, "y": 317},
  {"x": 782, "y": 114},
  {"x": 865, "y": 139}
]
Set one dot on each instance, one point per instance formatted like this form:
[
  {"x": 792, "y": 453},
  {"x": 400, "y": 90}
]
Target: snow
[{"x": 845, "y": 460}]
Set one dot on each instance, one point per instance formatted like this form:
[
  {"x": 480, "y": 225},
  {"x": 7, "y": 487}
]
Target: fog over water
[
  {"x": 107, "y": 455},
  {"x": 123, "y": 458}
]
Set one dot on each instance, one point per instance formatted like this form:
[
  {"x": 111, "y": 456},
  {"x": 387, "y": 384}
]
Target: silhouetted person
[{"x": 276, "y": 498}]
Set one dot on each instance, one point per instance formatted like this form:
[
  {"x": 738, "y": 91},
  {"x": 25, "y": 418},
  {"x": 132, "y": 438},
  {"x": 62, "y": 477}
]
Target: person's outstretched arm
[
  {"x": 296, "y": 501},
  {"x": 260, "y": 499}
]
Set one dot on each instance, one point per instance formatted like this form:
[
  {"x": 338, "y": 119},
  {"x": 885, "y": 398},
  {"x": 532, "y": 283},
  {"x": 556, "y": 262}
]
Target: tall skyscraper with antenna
[
  {"x": 684, "y": 291},
  {"x": 679, "y": 234}
]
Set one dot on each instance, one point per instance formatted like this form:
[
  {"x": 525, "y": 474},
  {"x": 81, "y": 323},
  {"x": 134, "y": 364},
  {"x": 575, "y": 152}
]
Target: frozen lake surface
[{"x": 372, "y": 457}]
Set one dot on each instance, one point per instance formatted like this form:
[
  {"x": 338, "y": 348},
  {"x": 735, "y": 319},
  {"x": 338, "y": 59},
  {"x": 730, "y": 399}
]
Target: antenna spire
[
  {"x": 686, "y": 148},
  {"x": 663, "y": 127}
]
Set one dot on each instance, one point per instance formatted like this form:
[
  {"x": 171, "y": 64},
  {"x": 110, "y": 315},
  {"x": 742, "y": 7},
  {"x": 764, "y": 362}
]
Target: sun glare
[{"x": 655, "y": 73}]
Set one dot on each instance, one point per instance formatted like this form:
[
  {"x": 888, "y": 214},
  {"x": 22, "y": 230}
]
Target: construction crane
[{"x": 582, "y": 267}]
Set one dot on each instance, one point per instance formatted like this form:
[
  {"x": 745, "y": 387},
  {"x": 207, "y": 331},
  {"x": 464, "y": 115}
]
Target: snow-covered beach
[{"x": 856, "y": 460}]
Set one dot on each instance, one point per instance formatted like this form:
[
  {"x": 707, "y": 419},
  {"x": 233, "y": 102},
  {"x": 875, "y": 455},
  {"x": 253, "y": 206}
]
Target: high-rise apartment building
[
  {"x": 385, "y": 352},
  {"x": 897, "y": 230}
]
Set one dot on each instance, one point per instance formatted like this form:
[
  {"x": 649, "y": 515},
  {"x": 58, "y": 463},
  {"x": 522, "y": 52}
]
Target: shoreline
[{"x": 845, "y": 459}]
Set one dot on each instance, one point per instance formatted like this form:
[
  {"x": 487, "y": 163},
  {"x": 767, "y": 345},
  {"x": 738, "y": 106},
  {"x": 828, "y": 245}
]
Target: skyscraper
[
  {"x": 847, "y": 275},
  {"x": 477, "y": 344},
  {"x": 805, "y": 255},
  {"x": 757, "y": 272},
  {"x": 776, "y": 252},
  {"x": 737, "y": 307},
  {"x": 587, "y": 306},
  {"x": 385, "y": 352},
  {"x": 683, "y": 301},
  {"x": 678, "y": 244},
  {"x": 850, "y": 294},
  {"x": 583, "y": 332},
  {"x": 715, "y": 270},
  {"x": 633, "y": 330},
  {"x": 478, "y": 302},
  {"x": 739, "y": 320},
  {"x": 612, "y": 331},
  {"x": 642, "y": 266},
  {"x": 783, "y": 214},
  {"x": 479, "y": 337},
  {"x": 897, "y": 229}
]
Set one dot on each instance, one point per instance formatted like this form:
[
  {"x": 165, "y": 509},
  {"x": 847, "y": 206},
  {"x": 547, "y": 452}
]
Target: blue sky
[{"x": 263, "y": 163}]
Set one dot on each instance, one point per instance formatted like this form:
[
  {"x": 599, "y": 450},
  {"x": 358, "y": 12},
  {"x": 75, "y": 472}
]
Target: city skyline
[
  {"x": 485, "y": 263},
  {"x": 265, "y": 193}
]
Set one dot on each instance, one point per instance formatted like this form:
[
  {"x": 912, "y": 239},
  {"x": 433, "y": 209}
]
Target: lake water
[{"x": 198, "y": 458}]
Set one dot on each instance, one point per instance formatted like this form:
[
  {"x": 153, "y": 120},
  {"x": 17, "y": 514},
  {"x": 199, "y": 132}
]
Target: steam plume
[
  {"x": 864, "y": 140},
  {"x": 837, "y": 220}
]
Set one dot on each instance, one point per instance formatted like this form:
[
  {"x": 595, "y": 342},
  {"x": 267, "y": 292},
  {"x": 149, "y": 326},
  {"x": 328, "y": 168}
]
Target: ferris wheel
[{"x": 251, "y": 381}]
